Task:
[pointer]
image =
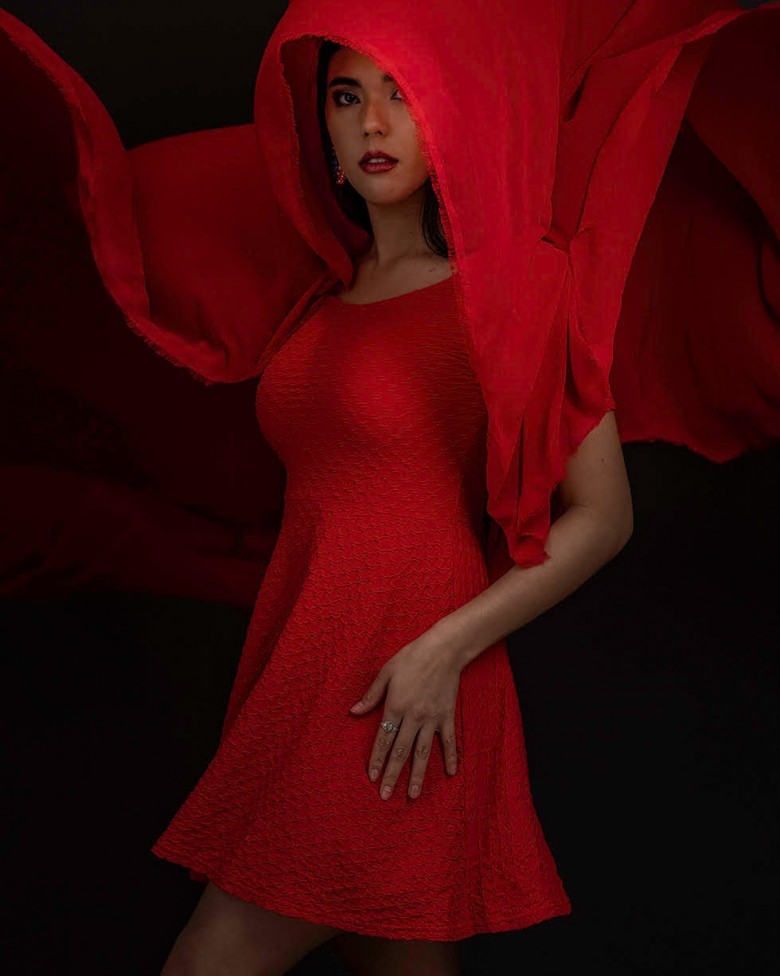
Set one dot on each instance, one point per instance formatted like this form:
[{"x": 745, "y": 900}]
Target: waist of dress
[{"x": 412, "y": 516}]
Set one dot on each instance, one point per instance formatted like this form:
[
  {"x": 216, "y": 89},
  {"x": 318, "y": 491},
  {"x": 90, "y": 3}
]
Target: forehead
[{"x": 347, "y": 60}]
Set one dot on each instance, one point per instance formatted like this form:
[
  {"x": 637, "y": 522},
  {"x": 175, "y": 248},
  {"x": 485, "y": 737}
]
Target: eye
[{"x": 337, "y": 96}]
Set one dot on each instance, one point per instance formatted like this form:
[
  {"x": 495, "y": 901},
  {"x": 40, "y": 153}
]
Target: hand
[{"x": 422, "y": 684}]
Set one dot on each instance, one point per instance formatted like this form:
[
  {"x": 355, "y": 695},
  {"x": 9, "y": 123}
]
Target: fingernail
[
  {"x": 386, "y": 791},
  {"x": 414, "y": 791},
  {"x": 373, "y": 775}
]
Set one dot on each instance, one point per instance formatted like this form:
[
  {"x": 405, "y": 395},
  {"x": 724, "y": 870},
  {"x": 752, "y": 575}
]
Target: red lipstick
[{"x": 377, "y": 162}]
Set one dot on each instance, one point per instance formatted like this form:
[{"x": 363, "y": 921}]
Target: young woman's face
[{"x": 367, "y": 112}]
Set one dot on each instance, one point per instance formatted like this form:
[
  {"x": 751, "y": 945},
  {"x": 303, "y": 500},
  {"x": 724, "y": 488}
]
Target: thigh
[
  {"x": 368, "y": 955},
  {"x": 226, "y": 936}
]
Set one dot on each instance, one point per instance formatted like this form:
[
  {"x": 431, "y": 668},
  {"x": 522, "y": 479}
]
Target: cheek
[
  {"x": 420, "y": 167},
  {"x": 415, "y": 143},
  {"x": 332, "y": 125},
  {"x": 333, "y": 130}
]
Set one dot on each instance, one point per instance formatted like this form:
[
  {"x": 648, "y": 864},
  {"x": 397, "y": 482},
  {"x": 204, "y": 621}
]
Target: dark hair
[{"x": 351, "y": 202}]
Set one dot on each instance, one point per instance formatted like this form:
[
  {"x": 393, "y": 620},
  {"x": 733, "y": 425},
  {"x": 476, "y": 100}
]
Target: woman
[
  {"x": 386, "y": 420},
  {"x": 350, "y": 558}
]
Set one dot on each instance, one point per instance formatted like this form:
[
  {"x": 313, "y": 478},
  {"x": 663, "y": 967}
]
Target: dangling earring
[{"x": 336, "y": 167}]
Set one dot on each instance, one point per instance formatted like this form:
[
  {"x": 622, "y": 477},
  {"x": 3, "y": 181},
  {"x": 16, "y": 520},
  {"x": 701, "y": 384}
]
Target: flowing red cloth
[
  {"x": 622, "y": 251},
  {"x": 610, "y": 198}
]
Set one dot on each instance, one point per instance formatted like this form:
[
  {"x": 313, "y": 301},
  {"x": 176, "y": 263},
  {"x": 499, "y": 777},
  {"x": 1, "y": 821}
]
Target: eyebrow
[{"x": 341, "y": 80}]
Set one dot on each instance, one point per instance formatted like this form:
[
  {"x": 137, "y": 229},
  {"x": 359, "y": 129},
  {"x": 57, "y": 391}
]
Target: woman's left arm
[
  {"x": 421, "y": 680},
  {"x": 596, "y": 523}
]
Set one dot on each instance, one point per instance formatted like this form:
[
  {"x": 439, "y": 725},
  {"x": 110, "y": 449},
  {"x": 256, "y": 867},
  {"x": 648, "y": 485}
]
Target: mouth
[{"x": 377, "y": 162}]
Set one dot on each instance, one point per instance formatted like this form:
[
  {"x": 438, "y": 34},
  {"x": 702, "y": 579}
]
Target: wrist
[{"x": 452, "y": 641}]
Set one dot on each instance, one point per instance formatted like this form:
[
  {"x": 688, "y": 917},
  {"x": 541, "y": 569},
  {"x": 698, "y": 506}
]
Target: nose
[{"x": 374, "y": 118}]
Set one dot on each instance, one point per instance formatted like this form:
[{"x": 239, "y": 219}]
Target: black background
[{"x": 649, "y": 697}]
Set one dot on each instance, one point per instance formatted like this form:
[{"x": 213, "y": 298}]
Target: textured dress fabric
[{"x": 380, "y": 422}]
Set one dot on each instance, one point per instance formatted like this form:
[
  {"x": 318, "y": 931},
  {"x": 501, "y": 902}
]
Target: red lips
[{"x": 377, "y": 155}]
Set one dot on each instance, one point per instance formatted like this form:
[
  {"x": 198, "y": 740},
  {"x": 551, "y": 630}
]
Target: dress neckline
[{"x": 393, "y": 298}]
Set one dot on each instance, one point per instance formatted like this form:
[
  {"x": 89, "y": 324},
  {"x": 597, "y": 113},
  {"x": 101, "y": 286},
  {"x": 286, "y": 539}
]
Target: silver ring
[{"x": 389, "y": 726}]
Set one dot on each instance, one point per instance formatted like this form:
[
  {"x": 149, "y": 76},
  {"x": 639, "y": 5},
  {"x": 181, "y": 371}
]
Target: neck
[{"x": 397, "y": 233}]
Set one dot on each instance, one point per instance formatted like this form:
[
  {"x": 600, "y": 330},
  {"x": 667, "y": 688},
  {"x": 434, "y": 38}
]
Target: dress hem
[{"x": 544, "y": 912}]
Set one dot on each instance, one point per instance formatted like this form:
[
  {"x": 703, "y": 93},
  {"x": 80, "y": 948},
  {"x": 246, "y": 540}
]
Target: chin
[{"x": 389, "y": 194}]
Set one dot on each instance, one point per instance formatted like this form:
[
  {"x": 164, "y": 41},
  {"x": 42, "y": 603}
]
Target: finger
[
  {"x": 448, "y": 744},
  {"x": 400, "y": 749},
  {"x": 422, "y": 753},
  {"x": 373, "y": 694},
  {"x": 382, "y": 744}
]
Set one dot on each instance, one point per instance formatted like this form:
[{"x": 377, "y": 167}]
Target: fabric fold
[
  {"x": 613, "y": 219},
  {"x": 615, "y": 167},
  {"x": 185, "y": 232}
]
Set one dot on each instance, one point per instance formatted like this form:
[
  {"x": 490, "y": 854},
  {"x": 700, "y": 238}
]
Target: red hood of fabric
[{"x": 532, "y": 117}]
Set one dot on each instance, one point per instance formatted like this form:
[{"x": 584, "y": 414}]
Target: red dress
[{"x": 379, "y": 420}]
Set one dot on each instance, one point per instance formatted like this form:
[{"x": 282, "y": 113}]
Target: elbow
[
  {"x": 614, "y": 528},
  {"x": 624, "y": 530}
]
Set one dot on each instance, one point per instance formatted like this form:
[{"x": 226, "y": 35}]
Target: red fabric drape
[{"x": 610, "y": 197}]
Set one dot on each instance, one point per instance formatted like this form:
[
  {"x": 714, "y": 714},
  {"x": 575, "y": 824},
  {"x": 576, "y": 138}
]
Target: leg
[
  {"x": 368, "y": 955},
  {"x": 227, "y": 936}
]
